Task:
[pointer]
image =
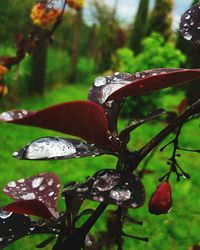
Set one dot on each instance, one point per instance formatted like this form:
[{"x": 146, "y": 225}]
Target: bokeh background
[{"x": 104, "y": 37}]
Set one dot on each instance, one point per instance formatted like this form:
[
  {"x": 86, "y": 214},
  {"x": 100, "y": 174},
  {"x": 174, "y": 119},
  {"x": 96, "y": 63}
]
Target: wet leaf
[
  {"x": 30, "y": 207},
  {"x": 144, "y": 82},
  {"x": 111, "y": 187},
  {"x": 43, "y": 187},
  {"x": 57, "y": 148},
  {"x": 190, "y": 24},
  {"x": 15, "y": 226},
  {"x": 84, "y": 119}
]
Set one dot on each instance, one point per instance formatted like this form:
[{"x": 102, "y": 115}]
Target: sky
[{"x": 127, "y": 9}]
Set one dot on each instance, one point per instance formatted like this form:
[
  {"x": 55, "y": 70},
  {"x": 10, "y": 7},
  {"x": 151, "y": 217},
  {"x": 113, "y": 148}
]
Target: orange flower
[
  {"x": 3, "y": 70},
  {"x": 3, "y": 90},
  {"x": 76, "y": 4},
  {"x": 43, "y": 17}
]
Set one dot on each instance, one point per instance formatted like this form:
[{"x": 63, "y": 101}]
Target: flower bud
[{"x": 161, "y": 200}]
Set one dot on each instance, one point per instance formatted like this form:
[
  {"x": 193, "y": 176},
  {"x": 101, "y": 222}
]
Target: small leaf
[
  {"x": 15, "y": 226},
  {"x": 190, "y": 24},
  {"x": 111, "y": 187},
  {"x": 57, "y": 148},
  {"x": 84, "y": 119},
  {"x": 30, "y": 207},
  {"x": 42, "y": 187}
]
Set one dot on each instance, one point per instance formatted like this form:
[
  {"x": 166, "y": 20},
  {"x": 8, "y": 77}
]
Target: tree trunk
[
  {"x": 38, "y": 69},
  {"x": 75, "y": 47}
]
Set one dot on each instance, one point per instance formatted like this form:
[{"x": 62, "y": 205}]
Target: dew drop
[
  {"x": 15, "y": 154},
  {"x": 5, "y": 214},
  {"x": 100, "y": 81},
  {"x": 37, "y": 182},
  {"x": 50, "y": 182},
  {"x": 51, "y": 194},
  {"x": 42, "y": 188},
  {"x": 12, "y": 184},
  {"x": 187, "y": 17},
  {"x": 120, "y": 194},
  {"x": 29, "y": 196},
  {"x": 21, "y": 180},
  {"x": 187, "y": 36}
]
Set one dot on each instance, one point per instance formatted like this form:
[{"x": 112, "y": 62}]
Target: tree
[
  {"x": 139, "y": 28},
  {"x": 161, "y": 18}
]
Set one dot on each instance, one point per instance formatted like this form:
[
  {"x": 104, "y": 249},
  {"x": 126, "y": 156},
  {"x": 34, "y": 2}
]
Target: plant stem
[{"x": 144, "y": 151}]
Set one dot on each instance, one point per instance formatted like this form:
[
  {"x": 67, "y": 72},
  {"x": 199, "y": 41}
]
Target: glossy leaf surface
[
  {"x": 57, "y": 148},
  {"x": 30, "y": 207},
  {"x": 43, "y": 187},
  {"x": 84, "y": 119},
  {"x": 15, "y": 226},
  {"x": 111, "y": 187},
  {"x": 145, "y": 82},
  {"x": 190, "y": 24}
]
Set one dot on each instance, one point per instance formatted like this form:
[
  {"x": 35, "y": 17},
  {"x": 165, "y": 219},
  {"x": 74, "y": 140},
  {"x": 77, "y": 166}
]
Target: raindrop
[
  {"x": 187, "y": 36},
  {"x": 50, "y": 147},
  {"x": 15, "y": 154},
  {"x": 29, "y": 196},
  {"x": 100, "y": 81},
  {"x": 37, "y": 182},
  {"x": 187, "y": 16},
  {"x": 120, "y": 194},
  {"x": 50, "y": 182},
  {"x": 106, "y": 182},
  {"x": 5, "y": 214},
  {"x": 21, "y": 180},
  {"x": 6, "y": 116},
  {"x": 51, "y": 194},
  {"x": 12, "y": 184},
  {"x": 1, "y": 239},
  {"x": 42, "y": 188},
  {"x": 137, "y": 74}
]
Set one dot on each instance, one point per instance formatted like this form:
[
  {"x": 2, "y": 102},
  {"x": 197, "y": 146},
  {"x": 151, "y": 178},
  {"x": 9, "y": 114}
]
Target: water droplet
[
  {"x": 50, "y": 182},
  {"x": 6, "y": 116},
  {"x": 106, "y": 182},
  {"x": 29, "y": 196},
  {"x": 120, "y": 194},
  {"x": 37, "y": 182},
  {"x": 12, "y": 184},
  {"x": 21, "y": 180},
  {"x": 49, "y": 148},
  {"x": 42, "y": 188},
  {"x": 100, "y": 81},
  {"x": 187, "y": 16},
  {"x": 5, "y": 214},
  {"x": 134, "y": 205},
  {"x": 1, "y": 239},
  {"x": 188, "y": 36},
  {"x": 137, "y": 74},
  {"x": 15, "y": 154},
  {"x": 51, "y": 194}
]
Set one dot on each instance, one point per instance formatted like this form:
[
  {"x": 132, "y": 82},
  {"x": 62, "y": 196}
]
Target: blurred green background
[{"x": 81, "y": 51}]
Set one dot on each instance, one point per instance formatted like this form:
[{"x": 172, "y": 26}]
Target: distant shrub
[{"x": 156, "y": 53}]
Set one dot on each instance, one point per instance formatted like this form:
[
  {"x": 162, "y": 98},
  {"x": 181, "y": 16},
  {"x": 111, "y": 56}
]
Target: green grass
[{"x": 175, "y": 231}]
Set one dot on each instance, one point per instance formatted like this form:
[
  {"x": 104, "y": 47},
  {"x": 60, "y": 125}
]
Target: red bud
[{"x": 161, "y": 200}]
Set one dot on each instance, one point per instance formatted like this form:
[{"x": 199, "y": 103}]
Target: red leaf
[
  {"x": 151, "y": 80},
  {"x": 161, "y": 200},
  {"x": 79, "y": 118},
  {"x": 30, "y": 207},
  {"x": 43, "y": 187}
]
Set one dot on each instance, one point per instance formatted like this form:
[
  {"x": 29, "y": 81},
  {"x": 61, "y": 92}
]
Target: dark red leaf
[
  {"x": 161, "y": 200},
  {"x": 42, "y": 187},
  {"x": 79, "y": 118},
  {"x": 148, "y": 81},
  {"x": 57, "y": 148},
  {"x": 30, "y": 207},
  {"x": 190, "y": 24},
  {"x": 111, "y": 187},
  {"x": 15, "y": 226}
]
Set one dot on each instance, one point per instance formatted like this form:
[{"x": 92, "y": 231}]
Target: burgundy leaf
[
  {"x": 43, "y": 187},
  {"x": 111, "y": 187},
  {"x": 112, "y": 108},
  {"x": 190, "y": 24},
  {"x": 30, "y": 207},
  {"x": 79, "y": 118},
  {"x": 145, "y": 82},
  {"x": 15, "y": 226},
  {"x": 57, "y": 148}
]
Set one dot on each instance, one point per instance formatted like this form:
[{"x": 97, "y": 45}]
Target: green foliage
[
  {"x": 139, "y": 28},
  {"x": 156, "y": 54},
  {"x": 161, "y": 18},
  {"x": 171, "y": 231}
]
